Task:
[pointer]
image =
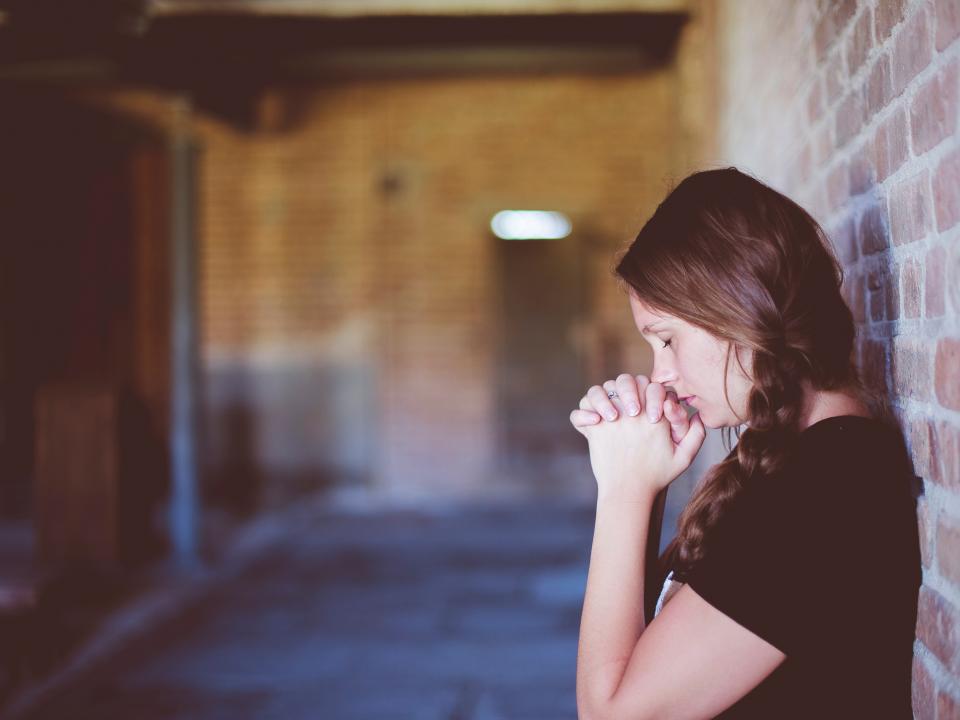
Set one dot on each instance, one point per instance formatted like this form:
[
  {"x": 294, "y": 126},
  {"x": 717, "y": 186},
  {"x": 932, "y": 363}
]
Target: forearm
[{"x": 612, "y": 619}]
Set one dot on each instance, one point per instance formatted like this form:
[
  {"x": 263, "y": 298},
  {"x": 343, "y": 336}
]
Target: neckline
[{"x": 839, "y": 418}]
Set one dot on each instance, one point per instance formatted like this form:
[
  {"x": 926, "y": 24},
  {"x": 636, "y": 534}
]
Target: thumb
[{"x": 691, "y": 443}]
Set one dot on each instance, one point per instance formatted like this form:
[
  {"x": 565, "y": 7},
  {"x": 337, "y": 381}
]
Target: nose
[{"x": 663, "y": 371}]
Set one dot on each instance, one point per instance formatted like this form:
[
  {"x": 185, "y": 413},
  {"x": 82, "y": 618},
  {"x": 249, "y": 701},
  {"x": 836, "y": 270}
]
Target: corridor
[{"x": 455, "y": 613}]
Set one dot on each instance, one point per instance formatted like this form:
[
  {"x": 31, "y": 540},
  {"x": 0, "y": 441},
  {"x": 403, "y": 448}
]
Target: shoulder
[
  {"x": 849, "y": 453},
  {"x": 835, "y": 470}
]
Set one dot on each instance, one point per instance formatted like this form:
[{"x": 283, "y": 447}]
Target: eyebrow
[{"x": 648, "y": 328}]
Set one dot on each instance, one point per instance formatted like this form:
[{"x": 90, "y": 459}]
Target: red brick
[
  {"x": 892, "y": 299},
  {"x": 921, "y": 441},
  {"x": 849, "y": 118},
  {"x": 834, "y": 77},
  {"x": 815, "y": 101},
  {"x": 911, "y": 278},
  {"x": 872, "y": 230},
  {"x": 910, "y": 217},
  {"x": 911, "y": 367},
  {"x": 912, "y": 50},
  {"x": 831, "y": 24},
  {"x": 824, "y": 145},
  {"x": 823, "y": 34},
  {"x": 803, "y": 165},
  {"x": 937, "y": 620},
  {"x": 873, "y": 361},
  {"x": 946, "y": 197},
  {"x": 878, "y": 281},
  {"x": 947, "y": 372},
  {"x": 923, "y": 527},
  {"x": 935, "y": 288},
  {"x": 845, "y": 241},
  {"x": 947, "y": 707},
  {"x": 945, "y": 455},
  {"x": 863, "y": 176},
  {"x": 951, "y": 275},
  {"x": 948, "y": 549},
  {"x": 948, "y": 22},
  {"x": 879, "y": 89},
  {"x": 923, "y": 692},
  {"x": 889, "y": 13},
  {"x": 858, "y": 293},
  {"x": 843, "y": 12},
  {"x": 838, "y": 186},
  {"x": 860, "y": 41},
  {"x": 933, "y": 112},
  {"x": 890, "y": 144}
]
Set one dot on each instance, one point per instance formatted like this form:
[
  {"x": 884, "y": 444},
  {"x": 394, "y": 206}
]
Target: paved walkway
[{"x": 468, "y": 614}]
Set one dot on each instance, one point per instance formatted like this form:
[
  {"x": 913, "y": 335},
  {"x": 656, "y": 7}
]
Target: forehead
[{"x": 643, "y": 315}]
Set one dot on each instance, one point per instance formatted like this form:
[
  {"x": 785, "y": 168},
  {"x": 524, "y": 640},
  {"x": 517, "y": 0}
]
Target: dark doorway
[{"x": 539, "y": 368}]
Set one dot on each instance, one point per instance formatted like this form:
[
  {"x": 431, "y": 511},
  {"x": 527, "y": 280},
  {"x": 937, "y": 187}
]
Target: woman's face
[{"x": 690, "y": 360}]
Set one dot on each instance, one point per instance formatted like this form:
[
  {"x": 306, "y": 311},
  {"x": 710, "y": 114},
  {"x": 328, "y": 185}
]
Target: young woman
[{"x": 793, "y": 579}]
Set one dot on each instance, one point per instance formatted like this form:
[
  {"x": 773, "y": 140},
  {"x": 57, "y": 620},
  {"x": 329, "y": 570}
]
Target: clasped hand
[{"x": 640, "y": 440}]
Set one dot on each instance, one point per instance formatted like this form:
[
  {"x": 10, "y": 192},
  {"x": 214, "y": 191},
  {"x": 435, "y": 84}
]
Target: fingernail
[
  {"x": 652, "y": 415},
  {"x": 610, "y": 415},
  {"x": 633, "y": 409}
]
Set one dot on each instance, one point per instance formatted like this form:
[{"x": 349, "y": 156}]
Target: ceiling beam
[{"x": 365, "y": 8}]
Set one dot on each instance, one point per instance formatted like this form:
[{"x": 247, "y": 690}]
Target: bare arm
[
  {"x": 691, "y": 662},
  {"x": 612, "y": 619}
]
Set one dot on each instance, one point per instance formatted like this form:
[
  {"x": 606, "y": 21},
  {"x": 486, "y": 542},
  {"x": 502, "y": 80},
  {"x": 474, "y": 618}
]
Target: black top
[{"x": 823, "y": 562}]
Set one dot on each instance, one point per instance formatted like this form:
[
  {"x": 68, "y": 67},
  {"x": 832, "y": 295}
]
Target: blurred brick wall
[
  {"x": 348, "y": 295},
  {"x": 851, "y": 108}
]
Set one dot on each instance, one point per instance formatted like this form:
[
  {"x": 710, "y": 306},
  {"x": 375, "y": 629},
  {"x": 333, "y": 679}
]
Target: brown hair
[{"x": 731, "y": 255}]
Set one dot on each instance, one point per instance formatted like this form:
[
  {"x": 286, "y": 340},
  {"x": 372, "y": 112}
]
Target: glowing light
[{"x": 530, "y": 225}]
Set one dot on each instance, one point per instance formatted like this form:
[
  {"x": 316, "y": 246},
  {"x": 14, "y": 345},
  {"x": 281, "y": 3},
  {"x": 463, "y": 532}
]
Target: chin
[
  {"x": 708, "y": 423},
  {"x": 717, "y": 423}
]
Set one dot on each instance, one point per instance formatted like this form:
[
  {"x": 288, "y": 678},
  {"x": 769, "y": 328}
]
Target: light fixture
[{"x": 530, "y": 225}]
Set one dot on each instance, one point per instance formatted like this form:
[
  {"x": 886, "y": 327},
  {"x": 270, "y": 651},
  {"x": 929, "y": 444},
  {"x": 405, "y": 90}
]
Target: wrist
[{"x": 631, "y": 498}]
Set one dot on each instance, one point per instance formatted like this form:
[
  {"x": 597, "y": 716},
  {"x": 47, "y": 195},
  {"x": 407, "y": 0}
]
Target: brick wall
[
  {"x": 349, "y": 289},
  {"x": 851, "y": 107}
]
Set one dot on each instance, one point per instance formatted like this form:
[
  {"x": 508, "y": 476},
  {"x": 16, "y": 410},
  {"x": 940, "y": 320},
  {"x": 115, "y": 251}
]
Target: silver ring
[{"x": 612, "y": 394}]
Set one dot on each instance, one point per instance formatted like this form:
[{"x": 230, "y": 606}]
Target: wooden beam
[{"x": 362, "y": 8}]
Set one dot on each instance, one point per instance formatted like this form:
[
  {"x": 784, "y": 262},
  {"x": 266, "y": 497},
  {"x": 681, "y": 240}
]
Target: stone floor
[{"x": 457, "y": 613}]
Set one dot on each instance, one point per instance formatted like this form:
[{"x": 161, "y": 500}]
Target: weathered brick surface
[
  {"x": 350, "y": 288},
  {"x": 948, "y": 707},
  {"x": 933, "y": 112},
  {"x": 946, "y": 180},
  {"x": 881, "y": 98},
  {"x": 911, "y": 288},
  {"x": 948, "y": 362},
  {"x": 923, "y": 522},
  {"x": 909, "y": 202},
  {"x": 924, "y": 692},
  {"x": 938, "y": 622}
]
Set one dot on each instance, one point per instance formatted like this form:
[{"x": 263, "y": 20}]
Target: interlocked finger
[
  {"x": 601, "y": 402},
  {"x": 676, "y": 416},
  {"x": 626, "y": 388},
  {"x": 655, "y": 395}
]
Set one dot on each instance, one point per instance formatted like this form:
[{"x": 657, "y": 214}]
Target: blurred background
[{"x": 283, "y": 421}]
